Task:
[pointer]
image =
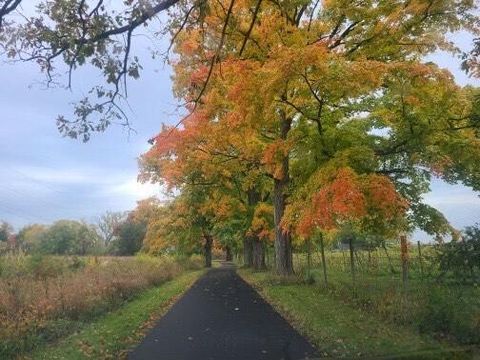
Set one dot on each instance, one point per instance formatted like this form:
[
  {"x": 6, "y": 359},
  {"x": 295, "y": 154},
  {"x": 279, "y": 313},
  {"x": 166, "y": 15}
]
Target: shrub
[
  {"x": 450, "y": 314},
  {"x": 461, "y": 259},
  {"x": 43, "y": 267}
]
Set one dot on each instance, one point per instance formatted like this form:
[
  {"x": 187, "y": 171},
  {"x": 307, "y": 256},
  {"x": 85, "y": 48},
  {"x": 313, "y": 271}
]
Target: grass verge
[
  {"x": 111, "y": 336},
  {"x": 339, "y": 330}
]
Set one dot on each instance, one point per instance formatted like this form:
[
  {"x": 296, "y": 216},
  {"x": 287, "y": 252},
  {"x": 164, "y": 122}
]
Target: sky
[{"x": 45, "y": 177}]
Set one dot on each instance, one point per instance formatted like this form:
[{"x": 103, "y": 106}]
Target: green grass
[
  {"x": 443, "y": 309},
  {"x": 111, "y": 336},
  {"x": 338, "y": 329}
]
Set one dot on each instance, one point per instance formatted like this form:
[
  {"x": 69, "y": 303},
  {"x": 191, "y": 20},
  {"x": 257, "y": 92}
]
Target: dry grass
[{"x": 37, "y": 305}]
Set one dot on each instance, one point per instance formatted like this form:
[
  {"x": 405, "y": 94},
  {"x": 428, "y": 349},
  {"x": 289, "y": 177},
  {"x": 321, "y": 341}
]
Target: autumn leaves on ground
[{"x": 312, "y": 130}]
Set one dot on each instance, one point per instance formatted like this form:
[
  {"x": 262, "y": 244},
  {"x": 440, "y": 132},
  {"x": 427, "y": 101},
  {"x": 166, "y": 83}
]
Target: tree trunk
[
  {"x": 208, "y": 250},
  {"x": 283, "y": 243},
  {"x": 283, "y": 246},
  {"x": 258, "y": 255},
  {"x": 247, "y": 251},
  {"x": 253, "y": 197},
  {"x": 228, "y": 253}
]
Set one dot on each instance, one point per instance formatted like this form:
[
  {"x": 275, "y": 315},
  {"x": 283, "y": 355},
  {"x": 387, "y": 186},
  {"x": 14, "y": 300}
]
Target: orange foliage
[
  {"x": 383, "y": 199},
  {"x": 261, "y": 223},
  {"x": 272, "y": 157},
  {"x": 348, "y": 197}
]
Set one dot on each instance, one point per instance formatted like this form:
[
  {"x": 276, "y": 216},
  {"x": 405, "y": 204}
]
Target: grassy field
[
  {"x": 340, "y": 329},
  {"x": 111, "y": 336},
  {"x": 46, "y": 298},
  {"x": 429, "y": 301}
]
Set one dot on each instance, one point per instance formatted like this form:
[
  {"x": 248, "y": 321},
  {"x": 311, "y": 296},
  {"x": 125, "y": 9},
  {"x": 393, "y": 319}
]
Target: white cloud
[{"x": 133, "y": 189}]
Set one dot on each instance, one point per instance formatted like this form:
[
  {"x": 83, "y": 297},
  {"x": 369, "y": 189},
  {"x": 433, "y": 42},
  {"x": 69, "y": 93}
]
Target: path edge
[{"x": 285, "y": 314}]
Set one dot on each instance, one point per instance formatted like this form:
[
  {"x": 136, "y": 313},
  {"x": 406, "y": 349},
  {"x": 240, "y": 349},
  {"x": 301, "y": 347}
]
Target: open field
[
  {"x": 110, "y": 336},
  {"x": 45, "y": 298}
]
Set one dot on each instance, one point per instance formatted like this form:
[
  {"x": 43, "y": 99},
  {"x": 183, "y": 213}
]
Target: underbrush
[{"x": 44, "y": 298}]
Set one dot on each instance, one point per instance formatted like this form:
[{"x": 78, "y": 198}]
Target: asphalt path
[{"x": 222, "y": 317}]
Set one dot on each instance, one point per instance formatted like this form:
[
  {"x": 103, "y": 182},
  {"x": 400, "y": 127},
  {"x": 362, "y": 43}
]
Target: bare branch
[
  {"x": 180, "y": 29},
  {"x": 249, "y": 31},
  {"x": 7, "y": 8}
]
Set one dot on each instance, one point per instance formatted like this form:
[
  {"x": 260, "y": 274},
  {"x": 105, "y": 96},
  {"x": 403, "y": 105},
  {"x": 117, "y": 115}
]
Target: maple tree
[
  {"x": 303, "y": 95},
  {"x": 193, "y": 157},
  {"x": 197, "y": 218}
]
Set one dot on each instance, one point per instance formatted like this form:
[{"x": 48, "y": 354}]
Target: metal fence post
[{"x": 404, "y": 257}]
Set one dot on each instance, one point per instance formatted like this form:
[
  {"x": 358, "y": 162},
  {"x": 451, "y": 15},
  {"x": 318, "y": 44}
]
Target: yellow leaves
[
  {"x": 261, "y": 224},
  {"x": 326, "y": 4},
  {"x": 273, "y": 156},
  {"x": 188, "y": 43},
  {"x": 146, "y": 209},
  {"x": 222, "y": 207}
]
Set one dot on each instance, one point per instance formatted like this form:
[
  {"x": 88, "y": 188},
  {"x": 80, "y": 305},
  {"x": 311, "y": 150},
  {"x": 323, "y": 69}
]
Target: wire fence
[
  {"x": 420, "y": 262},
  {"x": 378, "y": 262},
  {"x": 412, "y": 285}
]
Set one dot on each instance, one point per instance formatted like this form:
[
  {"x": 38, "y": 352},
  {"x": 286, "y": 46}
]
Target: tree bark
[
  {"x": 253, "y": 197},
  {"x": 258, "y": 255},
  {"x": 228, "y": 253},
  {"x": 283, "y": 244},
  {"x": 208, "y": 250},
  {"x": 247, "y": 251}
]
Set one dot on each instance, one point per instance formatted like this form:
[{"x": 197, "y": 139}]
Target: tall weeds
[{"x": 43, "y": 298}]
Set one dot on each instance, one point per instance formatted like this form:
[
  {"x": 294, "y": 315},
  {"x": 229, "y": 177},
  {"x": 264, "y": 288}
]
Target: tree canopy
[{"x": 333, "y": 108}]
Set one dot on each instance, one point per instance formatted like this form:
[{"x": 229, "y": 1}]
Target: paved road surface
[{"x": 222, "y": 317}]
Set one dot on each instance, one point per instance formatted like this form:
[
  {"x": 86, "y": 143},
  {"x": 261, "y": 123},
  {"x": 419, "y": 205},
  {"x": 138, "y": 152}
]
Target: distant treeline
[{"x": 115, "y": 233}]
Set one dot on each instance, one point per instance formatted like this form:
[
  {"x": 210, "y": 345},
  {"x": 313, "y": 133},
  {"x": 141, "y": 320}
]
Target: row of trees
[
  {"x": 304, "y": 117},
  {"x": 115, "y": 233},
  {"x": 301, "y": 116}
]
